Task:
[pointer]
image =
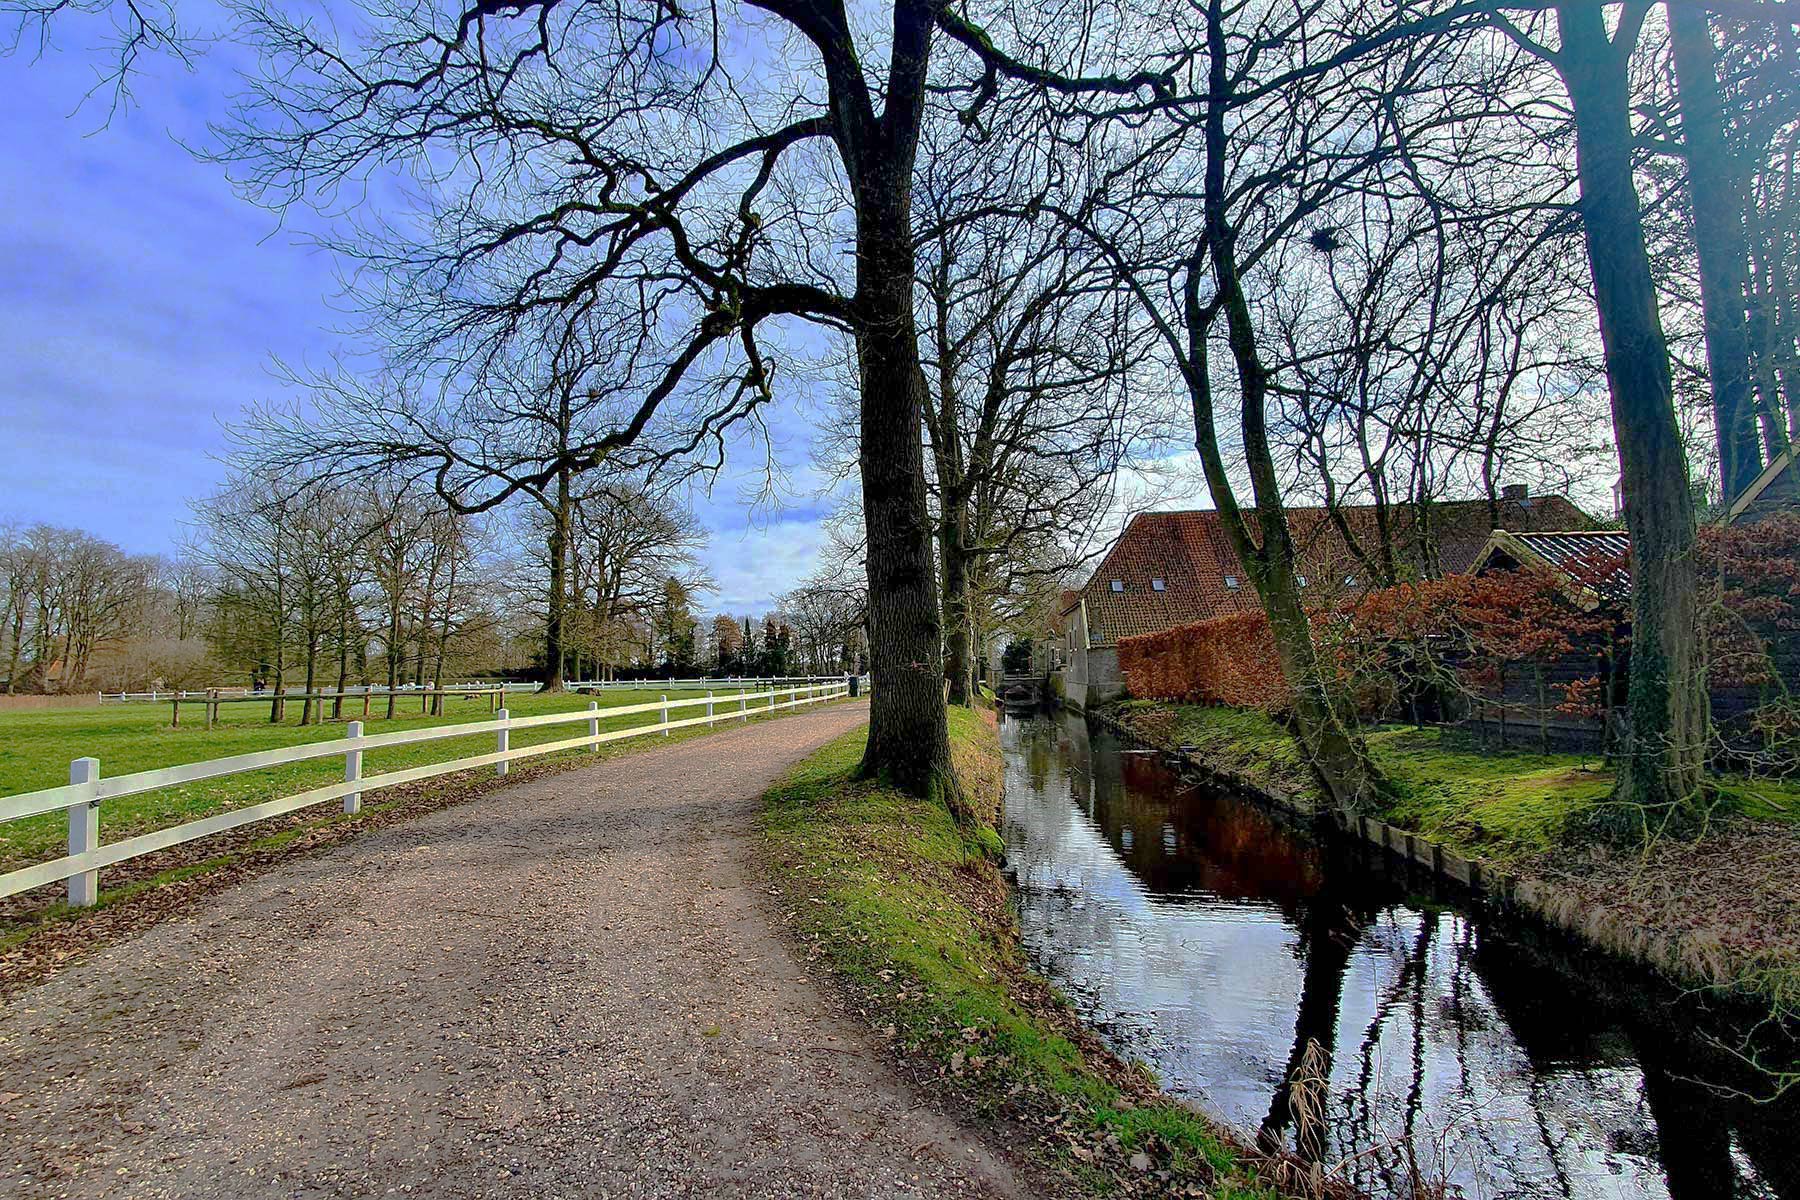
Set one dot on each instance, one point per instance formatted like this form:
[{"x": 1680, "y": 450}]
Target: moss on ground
[
  {"x": 911, "y": 911},
  {"x": 1504, "y": 806}
]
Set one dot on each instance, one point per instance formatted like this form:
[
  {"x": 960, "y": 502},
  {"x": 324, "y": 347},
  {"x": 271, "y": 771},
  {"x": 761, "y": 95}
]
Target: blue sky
[{"x": 144, "y": 303}]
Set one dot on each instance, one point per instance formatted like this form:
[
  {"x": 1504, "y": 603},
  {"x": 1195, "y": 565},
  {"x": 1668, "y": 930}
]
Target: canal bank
[
  {"x": 913, "y": 916},
  {"x": 1433, "y": 1041},
  {"x": 1721, "y": 913}
]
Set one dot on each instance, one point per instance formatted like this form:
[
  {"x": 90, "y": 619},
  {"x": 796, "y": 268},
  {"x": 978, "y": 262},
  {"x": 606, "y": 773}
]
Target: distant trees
[
  {"x": 1036, "y": 402},
  {"x": 66, "y": 599}
]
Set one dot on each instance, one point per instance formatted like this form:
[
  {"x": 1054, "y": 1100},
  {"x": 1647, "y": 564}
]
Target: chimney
[{"x": 1515, "y": 493}]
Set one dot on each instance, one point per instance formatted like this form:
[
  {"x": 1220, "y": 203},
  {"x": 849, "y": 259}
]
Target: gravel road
[{"x": 575, "y": 987}]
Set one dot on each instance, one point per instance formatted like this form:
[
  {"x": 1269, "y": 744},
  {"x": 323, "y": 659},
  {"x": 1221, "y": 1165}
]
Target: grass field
[
  {"x": 1503, "y": 806},
  {"x": 36, "y": 747}
]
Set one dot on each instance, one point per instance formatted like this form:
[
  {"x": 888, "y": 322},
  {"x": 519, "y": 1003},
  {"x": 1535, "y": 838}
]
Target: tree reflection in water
[{"x": 1206, "y": 936}]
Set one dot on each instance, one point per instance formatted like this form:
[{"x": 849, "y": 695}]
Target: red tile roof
[{"x": 1189, "y": 552}]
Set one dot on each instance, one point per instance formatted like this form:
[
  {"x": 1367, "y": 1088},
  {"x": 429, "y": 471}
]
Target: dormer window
[
  {"x": 1118, "y": 585},
  {"x": 1157, "y": 585},
  {"x": 1231, "y": 581}
]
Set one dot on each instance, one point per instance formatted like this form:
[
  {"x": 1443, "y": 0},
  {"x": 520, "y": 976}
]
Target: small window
[
  {"x": 1156, "y": 585},
  {"x": 1118, "y": 585},
  {"x": 1231, "y": 582}
]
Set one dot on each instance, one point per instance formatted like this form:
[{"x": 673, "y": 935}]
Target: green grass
[
  {"x": 1498, "y": 805},
  {"x": 37, "y": 745},
  {"x": 1503, "y": 806},
  {"x": 912, "y": 912}
]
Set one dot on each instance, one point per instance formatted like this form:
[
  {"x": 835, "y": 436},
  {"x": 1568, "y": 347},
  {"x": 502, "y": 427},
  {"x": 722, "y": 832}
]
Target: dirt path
[{"x": 575, "y": 987}]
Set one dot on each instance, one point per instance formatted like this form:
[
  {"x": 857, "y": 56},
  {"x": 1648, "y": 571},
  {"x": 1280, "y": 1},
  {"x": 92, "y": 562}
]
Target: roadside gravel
[{"x": 574, "y": 987}]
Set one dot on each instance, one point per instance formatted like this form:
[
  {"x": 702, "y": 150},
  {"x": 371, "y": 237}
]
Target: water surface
[{"x": 1215, "y": 941}]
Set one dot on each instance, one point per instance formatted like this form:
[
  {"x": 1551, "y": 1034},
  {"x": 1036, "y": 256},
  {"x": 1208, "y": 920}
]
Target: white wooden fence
[
  {"x": 673, "y": 684},
  {"x": 379, "y": 690},
  {"x": 86, "y": 790}
]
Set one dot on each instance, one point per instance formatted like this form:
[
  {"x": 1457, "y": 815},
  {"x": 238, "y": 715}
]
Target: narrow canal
[{"x": 1216, "y": 942}]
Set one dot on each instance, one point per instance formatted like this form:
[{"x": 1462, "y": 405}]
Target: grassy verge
[
  {"x": 1724, "y": 909},
  {"x": 913, "y": 914},
  {"x": 39, "y": 933}
]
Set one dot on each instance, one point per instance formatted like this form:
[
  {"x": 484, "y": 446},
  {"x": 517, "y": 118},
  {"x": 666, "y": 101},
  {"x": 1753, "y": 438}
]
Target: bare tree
[
  {"x": 626, "y": 161},
  {"x": 1034, "y": 409},
  {"x": 245, "y": 537}
]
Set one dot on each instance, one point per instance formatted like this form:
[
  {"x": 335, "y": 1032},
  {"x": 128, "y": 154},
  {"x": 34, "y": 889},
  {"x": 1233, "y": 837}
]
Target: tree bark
[
  {"x": 909, "y": 735},
  {"x": 1715, "y": 191},
  {"x": 558, "y": 549},
  {"x": 343, "y": 649},
  {"x": 959, "y": 667},
  {"x": 1660, "y": 775},
  {"x": 1336, "y": 752}
]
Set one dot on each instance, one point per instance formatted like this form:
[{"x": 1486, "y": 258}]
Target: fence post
[
  {"x": 353, "y": 768},
  {"x": 84, "y": 832},
  {"x": 665, "y": 716},
  {"x": 503, "y": 742},
  {"x": 367, "y": 692},
  {"x": 709, "y": 710},
  {"x": 594, "y": 725},
  {"x": 493, "y": 699},
  {"x": 212, "y": 707},
  {"x": 744, "y": 705}
]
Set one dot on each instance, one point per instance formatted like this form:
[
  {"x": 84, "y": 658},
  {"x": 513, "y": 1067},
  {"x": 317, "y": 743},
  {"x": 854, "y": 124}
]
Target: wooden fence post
[
  {"x": 503, "y": 743},
  {"x": 353, "y": 768},
  {"x": 744, "y": 705},
  {"x": 84, "y": 831},
  {"x": 594, "y": 725},
  {"x": 709, "y": 710},
  {"x": 665, "y": 716}
]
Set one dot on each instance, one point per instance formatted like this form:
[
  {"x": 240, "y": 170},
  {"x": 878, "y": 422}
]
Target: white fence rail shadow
[{"x": 82, "y": 796}]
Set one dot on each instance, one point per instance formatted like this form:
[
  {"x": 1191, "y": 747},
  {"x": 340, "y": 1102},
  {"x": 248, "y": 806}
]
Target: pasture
[{"x": 36, "y": 747}]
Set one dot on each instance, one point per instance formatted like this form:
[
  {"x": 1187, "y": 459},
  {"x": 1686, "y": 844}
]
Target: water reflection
[{"x": 1203, "y": 935}]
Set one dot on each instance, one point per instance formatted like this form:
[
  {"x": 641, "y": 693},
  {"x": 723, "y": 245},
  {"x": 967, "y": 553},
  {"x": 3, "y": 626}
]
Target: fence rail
[
  {"x": 413, "y": 689},
  {"x": 673, "y": 684},
  {"x": 82, "y": 796}
]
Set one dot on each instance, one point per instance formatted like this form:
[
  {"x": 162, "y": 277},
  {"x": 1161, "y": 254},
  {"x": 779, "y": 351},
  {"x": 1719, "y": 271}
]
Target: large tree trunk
[
  {"x": 909, "y": 737},
  {"x": 959, "y": 666},
  {"x": 18, "y": 635},
  {"x": 1715, "y": 189},
  {"x": 307, "y": 705},
  {"x": 343, "y": 649},
  {"x": 1660, "y": 776},
  {"x": 393, "y": 654},
  {"x": 1332, "y": 746},
  {"x": 558, "y": 549}
]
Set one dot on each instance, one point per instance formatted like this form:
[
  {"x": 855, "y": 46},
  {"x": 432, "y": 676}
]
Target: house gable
[
  {"x": 1778, "y": 487},
  {"x": 1200, "y": 577}
]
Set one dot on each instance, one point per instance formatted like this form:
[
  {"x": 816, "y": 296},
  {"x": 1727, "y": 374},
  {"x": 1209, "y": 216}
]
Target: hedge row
[{"x": 1228, "y": 660}]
